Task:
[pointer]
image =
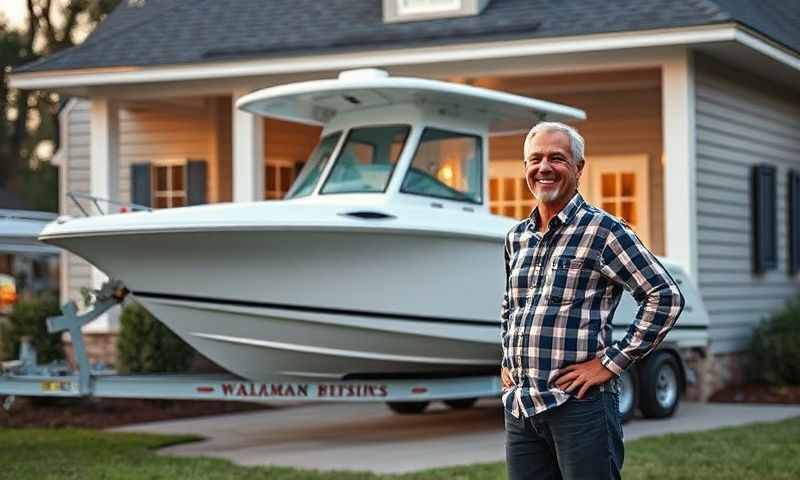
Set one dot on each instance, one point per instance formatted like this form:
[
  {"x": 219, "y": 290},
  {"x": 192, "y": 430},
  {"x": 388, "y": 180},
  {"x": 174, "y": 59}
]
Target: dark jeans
[{"x": 581, "y": 439}]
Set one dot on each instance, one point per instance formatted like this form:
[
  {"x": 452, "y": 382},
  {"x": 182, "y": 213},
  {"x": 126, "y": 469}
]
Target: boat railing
[{"x": 82, "y": 200}]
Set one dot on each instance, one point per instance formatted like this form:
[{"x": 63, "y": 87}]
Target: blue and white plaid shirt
[{"x": 562, "y": 288}]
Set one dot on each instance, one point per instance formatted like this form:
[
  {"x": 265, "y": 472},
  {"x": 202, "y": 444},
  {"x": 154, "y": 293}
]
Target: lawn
[{"x": 763, "y": 452}]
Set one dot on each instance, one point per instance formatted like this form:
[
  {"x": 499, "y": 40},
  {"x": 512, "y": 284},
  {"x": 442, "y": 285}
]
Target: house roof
[{"x": 170, "y": 32}]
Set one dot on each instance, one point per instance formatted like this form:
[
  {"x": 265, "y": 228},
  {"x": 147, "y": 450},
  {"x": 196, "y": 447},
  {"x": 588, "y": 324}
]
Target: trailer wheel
[
  {"x": 628, "y": 393},
  {"x": 461, "y": 403},
  {"x": 660, "y": 385},
  {"x": 407, "y": 408}
]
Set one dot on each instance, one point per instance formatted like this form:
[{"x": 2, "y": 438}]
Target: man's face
[{"x": 550, "y": 170}]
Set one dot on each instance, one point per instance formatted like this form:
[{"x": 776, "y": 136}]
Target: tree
[{"x": 28, "y": 119}]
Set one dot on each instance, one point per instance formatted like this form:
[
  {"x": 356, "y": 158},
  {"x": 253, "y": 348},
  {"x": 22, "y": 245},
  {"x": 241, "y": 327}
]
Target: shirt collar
[{"x": 563, "y": 217}]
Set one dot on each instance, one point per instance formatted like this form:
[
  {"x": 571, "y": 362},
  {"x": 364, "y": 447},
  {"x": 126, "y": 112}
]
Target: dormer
[{"x": 414, "y": 10}]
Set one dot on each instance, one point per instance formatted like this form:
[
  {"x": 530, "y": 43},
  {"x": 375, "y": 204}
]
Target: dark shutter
[
  {"x": 196, "y": 182},
  {"x": 764, "y": 203},
  {"x": 141, "y": 191},
  {"x": 794, "y": 221}
]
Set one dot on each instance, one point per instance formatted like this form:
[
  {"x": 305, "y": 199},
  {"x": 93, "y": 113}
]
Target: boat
[{"x": 382, "y": 261}]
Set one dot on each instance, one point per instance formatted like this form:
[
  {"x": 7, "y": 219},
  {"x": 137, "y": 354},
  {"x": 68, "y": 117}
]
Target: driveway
[{"x": 370, "y": 437}]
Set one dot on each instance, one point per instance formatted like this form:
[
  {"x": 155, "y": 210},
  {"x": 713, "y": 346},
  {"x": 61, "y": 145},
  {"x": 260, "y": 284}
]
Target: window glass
[
  {"x": 314, "y": 166},
  {"x": 446, "y": 165},
  {"x": 367, "y": 160}
]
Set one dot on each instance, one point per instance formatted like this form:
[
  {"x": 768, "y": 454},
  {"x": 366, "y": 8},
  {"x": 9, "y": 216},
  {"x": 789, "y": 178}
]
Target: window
[
  {"x": 314, "y": 166},
  {"x": 366, "y": 160},
  {"x": 169, "y": 187},
  {"x": 509, "y": 194},
  {"x": 764, "y": 205},
  {"x": 447, "y": 165},
  {"x": 278, "y": 178},
  {"x": 794, "y": 222}
]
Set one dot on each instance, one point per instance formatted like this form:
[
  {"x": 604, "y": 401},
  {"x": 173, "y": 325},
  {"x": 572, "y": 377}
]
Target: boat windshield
[
  {"x": 367, "y": 160},
  {"x": 446, "y": 165},
  {"x": 313, "y": 168}
]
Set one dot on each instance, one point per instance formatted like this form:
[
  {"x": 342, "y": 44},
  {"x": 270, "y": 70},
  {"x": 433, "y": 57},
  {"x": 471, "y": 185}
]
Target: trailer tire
[
  {"x": 660, "y": 385},
  {"x": 628, "y": 393},
  {"x": 461, "y": 403},
  {"x": 407, "y": 408}
]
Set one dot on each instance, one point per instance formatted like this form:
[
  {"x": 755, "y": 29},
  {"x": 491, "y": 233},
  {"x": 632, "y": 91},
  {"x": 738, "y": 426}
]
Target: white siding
[
  {"x": 76, "y": 168},
  {"x": 740, "y": 121}
]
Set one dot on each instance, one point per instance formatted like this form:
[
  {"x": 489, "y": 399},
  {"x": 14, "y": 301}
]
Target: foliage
[
  {"x": 39, "y": 187},
  {"x": 775, "y": 347},
  {"x": 28, "y": 319},
  {"x": 146, "y": 345},
  {"x": 28, "y": 119},
  {"x": 766, "y": 451}
]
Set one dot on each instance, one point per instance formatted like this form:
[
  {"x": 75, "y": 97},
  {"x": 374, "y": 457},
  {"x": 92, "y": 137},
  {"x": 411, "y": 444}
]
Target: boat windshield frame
[{"x": 308, "y": 167}]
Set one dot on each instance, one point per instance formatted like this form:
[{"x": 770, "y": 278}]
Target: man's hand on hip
[
  {"x": 505, "y": 378},
  {"x": 583, "y": 376}
]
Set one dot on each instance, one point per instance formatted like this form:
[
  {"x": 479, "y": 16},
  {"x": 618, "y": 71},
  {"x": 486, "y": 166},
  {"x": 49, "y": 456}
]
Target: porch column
[
  {"x": 103, "y": 181},
  {"x": 248, "y": 154},
  {"x": 680, "y": 169}
]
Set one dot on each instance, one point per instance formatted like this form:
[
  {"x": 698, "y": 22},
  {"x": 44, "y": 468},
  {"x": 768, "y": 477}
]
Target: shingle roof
[{"x": 164, "y": 32}]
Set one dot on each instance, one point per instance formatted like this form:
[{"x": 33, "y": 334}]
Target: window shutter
[
  {"x": 764, "y": 206},
  {"x": 794, "y": 221},
  {"x": 141, "y": 190},
  {"x": 196, "y": 182}
]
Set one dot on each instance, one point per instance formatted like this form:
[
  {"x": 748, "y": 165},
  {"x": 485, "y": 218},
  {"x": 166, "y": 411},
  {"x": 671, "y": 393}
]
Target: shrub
[
  {"x": 146, "y": 345},
  {"x": 775, "y": 347},
  {"x": 29, "y": 319}
]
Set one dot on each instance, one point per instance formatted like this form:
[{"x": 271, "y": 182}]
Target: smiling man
[{"x": 566, "y": 267}]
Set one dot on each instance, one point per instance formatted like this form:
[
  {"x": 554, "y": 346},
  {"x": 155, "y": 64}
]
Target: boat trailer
[{"x": 24, "y": 377}]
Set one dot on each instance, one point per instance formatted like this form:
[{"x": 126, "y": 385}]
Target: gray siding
[
  {"x": 740, "y": 121},
  {"x": 76, "y": 168}
]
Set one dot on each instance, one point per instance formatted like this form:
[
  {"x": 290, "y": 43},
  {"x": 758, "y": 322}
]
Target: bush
[
  {"x": 29, "y": 319},
  {"x": 146, "y": 345},
  {"x": 775, "y": 347}
]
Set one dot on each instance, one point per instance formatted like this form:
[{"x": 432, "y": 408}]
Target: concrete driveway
[{"x": 370, "y": 437}]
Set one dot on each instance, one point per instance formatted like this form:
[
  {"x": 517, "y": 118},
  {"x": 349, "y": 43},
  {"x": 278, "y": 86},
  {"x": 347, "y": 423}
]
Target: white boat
[{"x": 383, "y": 259}]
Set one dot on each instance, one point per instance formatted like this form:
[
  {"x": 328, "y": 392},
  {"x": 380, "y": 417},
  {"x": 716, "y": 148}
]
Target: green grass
[{"x": 760, "y": 452}]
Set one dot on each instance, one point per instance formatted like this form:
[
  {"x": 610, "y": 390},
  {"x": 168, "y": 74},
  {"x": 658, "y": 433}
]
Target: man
[{"x": 566, "y": 267}]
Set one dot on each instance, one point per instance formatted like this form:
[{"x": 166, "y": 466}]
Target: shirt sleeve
[
  {"x": 628, "y": 263},
  {"x": 505, "y": 307}
]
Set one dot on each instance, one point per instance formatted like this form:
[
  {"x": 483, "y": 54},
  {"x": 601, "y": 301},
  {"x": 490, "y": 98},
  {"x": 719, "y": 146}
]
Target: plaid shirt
[{"x": 562, "y": 288}]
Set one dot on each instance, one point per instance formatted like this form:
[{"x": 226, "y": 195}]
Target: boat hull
[{"x": 267, "y": 303}]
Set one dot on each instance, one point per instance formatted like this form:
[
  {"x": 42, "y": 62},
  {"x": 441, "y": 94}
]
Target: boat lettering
[
  {"x": 259, "y": 390},
  {"x": 351, "y": 390}
]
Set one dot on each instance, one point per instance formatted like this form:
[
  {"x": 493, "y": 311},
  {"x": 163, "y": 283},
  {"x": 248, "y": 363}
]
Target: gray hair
[{"x": 576, "y": 142}]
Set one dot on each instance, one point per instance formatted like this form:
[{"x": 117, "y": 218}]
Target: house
[{"x": 692, "y": 132}]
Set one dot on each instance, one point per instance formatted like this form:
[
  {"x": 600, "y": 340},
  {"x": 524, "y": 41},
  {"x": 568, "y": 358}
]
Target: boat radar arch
[{"x": 318, "y": 102}]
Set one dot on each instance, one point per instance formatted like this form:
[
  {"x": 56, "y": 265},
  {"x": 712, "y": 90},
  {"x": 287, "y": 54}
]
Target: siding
[
  {"x": 740, "y": 121},
  {"x": 152, "y": 134},
  {"x": 76, "y": 169},
  {"x": 623, "y": 111}
]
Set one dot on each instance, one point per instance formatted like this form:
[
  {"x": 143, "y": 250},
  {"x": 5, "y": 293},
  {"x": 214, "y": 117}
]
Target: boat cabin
[{"x": 412, "y": 140}]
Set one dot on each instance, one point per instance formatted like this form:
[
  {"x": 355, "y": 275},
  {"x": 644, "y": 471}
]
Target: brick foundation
[
  {"x": 715, "y": 371},
  {"x": 100, "y": 347}
]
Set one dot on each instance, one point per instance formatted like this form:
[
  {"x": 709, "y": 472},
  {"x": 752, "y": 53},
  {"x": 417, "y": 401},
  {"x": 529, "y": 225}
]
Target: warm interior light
[{"x": 445, "y": 174}]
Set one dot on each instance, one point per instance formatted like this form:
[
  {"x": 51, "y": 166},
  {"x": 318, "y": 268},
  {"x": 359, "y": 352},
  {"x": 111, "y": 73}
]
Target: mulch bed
[
  {"x": 106, "y": 413},
  {"x": 754, "y": 393}
]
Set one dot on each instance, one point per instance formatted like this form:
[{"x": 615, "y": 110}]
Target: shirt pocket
[{"x": 563, "y": 276}]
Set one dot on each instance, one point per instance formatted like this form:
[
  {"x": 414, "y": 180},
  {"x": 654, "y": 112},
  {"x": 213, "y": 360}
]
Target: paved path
[{"x": 369, "y": 437}]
